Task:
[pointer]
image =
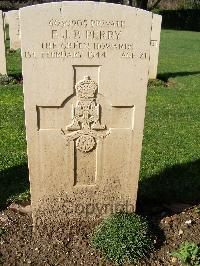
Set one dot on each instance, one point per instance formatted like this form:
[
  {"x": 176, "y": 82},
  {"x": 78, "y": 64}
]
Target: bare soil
[{"x": 69, "y": 244}]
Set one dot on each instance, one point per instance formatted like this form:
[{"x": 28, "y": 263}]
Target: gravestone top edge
[
  {"x": 12, "y": 11},
  {"x": 157, "y": 15}
]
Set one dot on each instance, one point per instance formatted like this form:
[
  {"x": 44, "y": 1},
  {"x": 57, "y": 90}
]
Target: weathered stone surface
[
  {"x": 155, "y": 44},
  {"x": 12, "y": 19},
  {"x": 85, "y": 72},
  {"x": 3, "y": 70}
]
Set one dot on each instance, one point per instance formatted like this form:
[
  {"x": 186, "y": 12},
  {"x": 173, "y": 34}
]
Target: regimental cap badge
[{"x": 86, "y": 88}]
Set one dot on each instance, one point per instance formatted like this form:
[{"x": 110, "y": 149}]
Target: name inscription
[{"x": 86, "y": 39}]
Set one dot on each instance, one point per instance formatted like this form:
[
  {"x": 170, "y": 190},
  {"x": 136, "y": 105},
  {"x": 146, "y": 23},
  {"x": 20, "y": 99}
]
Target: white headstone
[
  {"x": 155, "y": 44},
  {"x": 3, "y": 70},
  {"x": 85, "y": 72},
  {"x": 12, "y": 19}
]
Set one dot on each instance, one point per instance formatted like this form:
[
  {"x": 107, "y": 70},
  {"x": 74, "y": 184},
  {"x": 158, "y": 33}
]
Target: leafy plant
[
  {"x": 5, "y": 80},
  {"x": 188, "y": 254},
  {"x": 123, "y": 237},
  {"x": 197, "y": 209}
]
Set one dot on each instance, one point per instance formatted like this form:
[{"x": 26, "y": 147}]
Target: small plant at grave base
[
  {"x": 197, "y": 209},
  {"x": 123, "y": 237},
  {"x": 6, "y": 80},
  {"x": 23, "y": 197},
  {"x": 188, "y": 254},
  {"x": 153, "y": 83}
]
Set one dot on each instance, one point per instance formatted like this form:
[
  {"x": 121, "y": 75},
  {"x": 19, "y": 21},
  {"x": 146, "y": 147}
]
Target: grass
[
  {"x": 14, "y": 67},
  {"x": 170, "y": 166},
  {"x": 13, "y": 158},
  {"x": 188, "y": 254}
]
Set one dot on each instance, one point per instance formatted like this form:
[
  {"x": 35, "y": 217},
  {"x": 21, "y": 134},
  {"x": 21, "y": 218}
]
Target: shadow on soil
[
  {"x": 13, "y": 181},
  {"x": 179, "y": 183},
  {"x": 166, "y": 76}
]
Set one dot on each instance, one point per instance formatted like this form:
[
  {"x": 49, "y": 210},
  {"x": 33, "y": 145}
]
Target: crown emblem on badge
[
  {"x": 86, "y": 88},
  {"x": 86, "y": 122}
]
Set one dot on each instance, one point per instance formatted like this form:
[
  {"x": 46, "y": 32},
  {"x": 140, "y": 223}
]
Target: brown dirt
[{"x": 70, "y": 244}]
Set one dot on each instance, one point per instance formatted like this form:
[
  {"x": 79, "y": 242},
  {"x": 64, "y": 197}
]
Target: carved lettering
[
  {"x": 29, "y": 55},
  {"x": 54, "y": 34},
  {"x": 102, "y": 35},
  {"x": 85, "y": 23},
  {"x": 49, "y": 45},
  {"x": 154, "y": 43},
  {"x": 62, "y": 54},
  {"x": 127, "y": 55},
  {"x": 77, "y": 34},
  {"x": 143, "y": 55},
  {"x": 97, "y": 38},
  {"x": 104, "y": 23},
  {"x": 96, "y": 54}
]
